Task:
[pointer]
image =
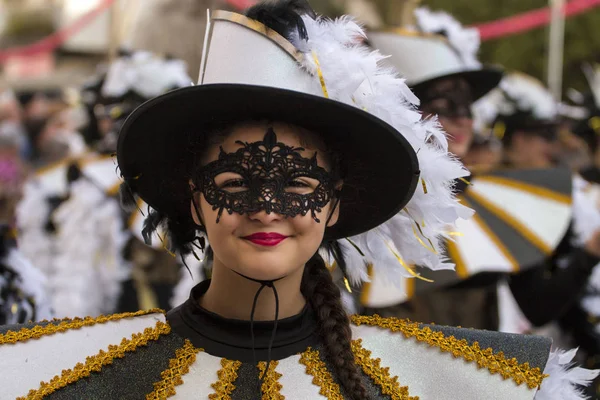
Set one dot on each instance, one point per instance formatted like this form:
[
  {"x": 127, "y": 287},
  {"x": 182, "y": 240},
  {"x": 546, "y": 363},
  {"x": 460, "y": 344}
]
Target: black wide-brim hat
[
  {"x": 424, "y": 59},
  {"x": 154, "y": 149},
  {"x": 481, "y": 81}
]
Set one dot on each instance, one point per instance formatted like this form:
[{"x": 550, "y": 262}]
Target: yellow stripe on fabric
[
  {"x": 96, "y": 362},
  {"x": 271, "y": 388},
  {"x": 38, "y": 331},
  {"x": 227, "y": 376},
  {"x": 185, "y": 356},
  {"x": 380, "y": 375},
  {"x": 484, "y": 358},
  {"x": 532, "y": 189},
  {"x": 513, "y": 222},
  {"x": 321, "y": 376},
  {"x": 514, "y": 264}
]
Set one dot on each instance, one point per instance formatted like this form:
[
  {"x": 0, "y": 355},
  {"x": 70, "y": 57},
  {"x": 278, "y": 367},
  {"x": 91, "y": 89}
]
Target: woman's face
[
  {"x": 252, "y": 200},
  {"x": 451, "y": 101}
]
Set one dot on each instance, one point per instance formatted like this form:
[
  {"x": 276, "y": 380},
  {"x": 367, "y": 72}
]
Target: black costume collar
[{"x": 230, "y": 338}]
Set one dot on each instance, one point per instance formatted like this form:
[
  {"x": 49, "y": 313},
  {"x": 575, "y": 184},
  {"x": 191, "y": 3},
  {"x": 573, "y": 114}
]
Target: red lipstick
[{"x": 266, "y": 239}]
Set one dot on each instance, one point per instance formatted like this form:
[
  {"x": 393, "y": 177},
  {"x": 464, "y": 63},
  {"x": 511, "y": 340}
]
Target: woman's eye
[
  {"x": 300, "y": 186},
  {"x": 234, "y": 185},
  {"x": 297, "y": 183}
]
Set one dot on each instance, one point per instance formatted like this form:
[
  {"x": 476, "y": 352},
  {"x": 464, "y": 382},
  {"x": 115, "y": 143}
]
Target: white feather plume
[
  {"x": 32, "y": 283},
  {"x": 466, "y": 41},
  {"x": 146, "y": 74},
  {"x": 586, "y": 217},
  {"x": 565, "y": 379},
  {"x": 32, "y": 212},
  {"x": 516, "y": 92},
  {"x": 355, "y": 75},
  {"x": 89, "y": 267}
]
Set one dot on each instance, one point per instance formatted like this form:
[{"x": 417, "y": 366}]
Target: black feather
[
  {"x": 151, "y": 224},
  {"x": 283, "y": 16},
  {"x": 128, "y": 201},
  {"x": 73, "y": 172}
]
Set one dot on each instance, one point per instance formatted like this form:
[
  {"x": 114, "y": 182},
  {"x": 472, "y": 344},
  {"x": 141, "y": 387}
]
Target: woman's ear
[
  {"x": 194, "y": 206},
  {"x": 335, "y": 201}
]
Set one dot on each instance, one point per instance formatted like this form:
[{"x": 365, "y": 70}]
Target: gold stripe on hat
[{"x": 262, "y": 29}]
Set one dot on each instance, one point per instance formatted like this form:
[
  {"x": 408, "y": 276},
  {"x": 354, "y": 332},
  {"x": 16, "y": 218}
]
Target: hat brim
[
  {"x": 153, "y": 152},
  {"x": 481, "y": 81}
]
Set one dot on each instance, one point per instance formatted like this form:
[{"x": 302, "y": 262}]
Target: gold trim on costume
[
  {"x": 321, "y": 376},
  {"x": 171, "y": 377},
  {"x": 320, "y": 74},
  {"x": 262, "y": 29},
  {"x": 96, "y": 362},
  {"x": 12, "y": 337},
  {"x": 485, "y": 358},
  {"x": 381, "y": 376},
  {"x": 227, "y": 376},
  {"x": 514, "y": 264},
  {"x": 271, "y": 388},
  {"x": 525, "y": 187},
  {"x": 517, "y": 225}
]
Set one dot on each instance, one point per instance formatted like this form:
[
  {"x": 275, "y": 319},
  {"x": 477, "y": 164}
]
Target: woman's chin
[{"x": 263, "y": 269}]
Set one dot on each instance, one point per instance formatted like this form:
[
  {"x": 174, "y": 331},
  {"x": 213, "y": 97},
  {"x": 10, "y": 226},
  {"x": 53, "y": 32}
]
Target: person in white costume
[{"x": 70, "y": 219}]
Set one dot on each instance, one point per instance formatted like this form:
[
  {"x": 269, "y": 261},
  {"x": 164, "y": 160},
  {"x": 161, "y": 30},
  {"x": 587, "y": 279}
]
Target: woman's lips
[{"x": 266, "y": 239}]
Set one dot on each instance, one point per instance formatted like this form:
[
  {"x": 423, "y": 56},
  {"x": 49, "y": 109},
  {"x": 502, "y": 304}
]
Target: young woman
[{"x": 260, "y": 162}]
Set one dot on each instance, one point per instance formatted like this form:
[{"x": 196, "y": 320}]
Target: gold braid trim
[
  {"x": 25, "y": 334},
  {"x": 495, "y": 363},
  {"x": 381, "y": 376},
  {"x": 96, "y": 362},
  {"x": 271, "y": 388},
  {"x": 321, "y": 376},
  {"x": 227, "y": 376},
  {"x": 171, "y": 377}
]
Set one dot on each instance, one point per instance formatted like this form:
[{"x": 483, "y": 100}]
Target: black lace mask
[
  {"x": 266, "y": 175},
  {"x": 453, "y": 101}
]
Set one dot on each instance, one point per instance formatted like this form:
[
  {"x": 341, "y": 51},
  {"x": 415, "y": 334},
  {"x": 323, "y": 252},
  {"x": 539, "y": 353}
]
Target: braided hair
[{"x": 324, "y": 297}]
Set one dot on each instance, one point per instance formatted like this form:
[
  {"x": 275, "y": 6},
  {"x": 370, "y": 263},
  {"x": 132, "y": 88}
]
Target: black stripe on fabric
[
  {"x": 526, "y": 254},
  {"x": 128, "y": 378},
  {"x": 247, "y": 386},
  {"x": 556, "y": 179}
]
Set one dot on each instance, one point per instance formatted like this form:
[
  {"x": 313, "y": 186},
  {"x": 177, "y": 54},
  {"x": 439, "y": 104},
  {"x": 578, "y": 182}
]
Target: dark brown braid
[{"x": 334, "y": 326}]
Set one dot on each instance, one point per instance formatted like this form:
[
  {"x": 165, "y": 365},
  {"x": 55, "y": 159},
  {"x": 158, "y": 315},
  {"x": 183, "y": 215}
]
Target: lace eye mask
[
  {"x": 265, "y": 176},
  {"x": 454, "y": 101}
]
